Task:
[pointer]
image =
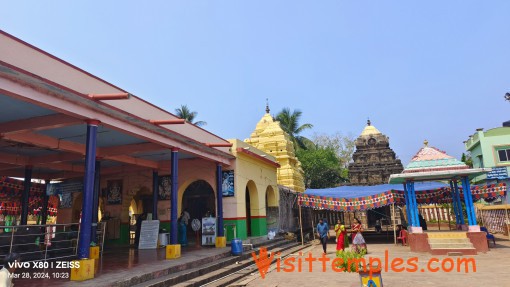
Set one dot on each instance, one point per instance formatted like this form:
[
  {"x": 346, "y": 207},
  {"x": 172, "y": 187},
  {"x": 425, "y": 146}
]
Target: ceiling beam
[
  {"x": 129, "y": 149},
  {"x": 59, "y": 157},
  {"x": 68, "y": 146},
  {"x": 38, "y": 123},
  {"x": 13, "y": 159},
  {"x": 40, "y": 175}
]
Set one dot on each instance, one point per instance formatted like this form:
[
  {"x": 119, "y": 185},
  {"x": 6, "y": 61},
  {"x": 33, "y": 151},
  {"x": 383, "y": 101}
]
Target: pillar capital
[
  {"x": 92, "y": 122},
  {"x": 175, "y": 149}
]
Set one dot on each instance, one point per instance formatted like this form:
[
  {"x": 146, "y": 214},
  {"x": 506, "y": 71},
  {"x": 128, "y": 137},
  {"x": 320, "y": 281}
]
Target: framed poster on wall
[
  {"x": 114, "y": 192},
  {"x": 227, "y": 185},
  {"x": 209, "y": 231},
  {"x": 66, "y": 200},
  {"x": 164, "y": 187}
]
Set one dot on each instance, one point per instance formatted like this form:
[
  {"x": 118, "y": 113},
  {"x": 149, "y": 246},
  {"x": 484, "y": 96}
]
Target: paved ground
[
  {"x": 491, "y": 270},
  {"x": 122, "y": 263}
]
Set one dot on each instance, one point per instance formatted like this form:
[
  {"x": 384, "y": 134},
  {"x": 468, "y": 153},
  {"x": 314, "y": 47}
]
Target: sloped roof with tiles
[{"x": 433, "y": 159}]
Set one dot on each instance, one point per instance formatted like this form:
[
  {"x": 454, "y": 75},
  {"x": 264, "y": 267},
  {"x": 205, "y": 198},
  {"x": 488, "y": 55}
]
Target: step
[
  {"x": 241, "y": 279},
  {"x": 230, "y": 272},
  {"x": 451, "y": 245},
  {"x": 227, "y": 264},
  {"x": 445, "y": 251},
  {"x": 455, "y": 234},
  {"x": 448, "y": 240}
]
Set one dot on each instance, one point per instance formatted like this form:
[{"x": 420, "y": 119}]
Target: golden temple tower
[{"x": 272, "y": 139}]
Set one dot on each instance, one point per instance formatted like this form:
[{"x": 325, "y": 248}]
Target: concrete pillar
[
  {"x": 46, "y": 198},
  {"x": 408, "y": 205},
  {"x": 88, "y": 190},
  {"x": 219, "y": 197},
  {"x": 174, "y": 196},
  {"x": 470, "y": 208},
  {"x": 25, "y": 195},
  {"x": 155, "y": 186},
  {"x": 95, "y": 201}
]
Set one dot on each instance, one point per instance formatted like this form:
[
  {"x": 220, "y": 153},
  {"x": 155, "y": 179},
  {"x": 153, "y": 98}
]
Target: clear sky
[{"x": 434, "y": 70}]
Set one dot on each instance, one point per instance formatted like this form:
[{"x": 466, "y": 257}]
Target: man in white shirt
[
  {"x": 7, "y": 272},
  {"x": 185, "y": 216}
]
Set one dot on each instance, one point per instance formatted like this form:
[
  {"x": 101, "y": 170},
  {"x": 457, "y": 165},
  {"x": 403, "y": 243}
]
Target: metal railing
[{"x": 40, "y": 242}]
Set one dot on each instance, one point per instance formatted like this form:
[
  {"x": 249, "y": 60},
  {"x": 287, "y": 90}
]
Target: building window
[{"x": 504, "y": 155}]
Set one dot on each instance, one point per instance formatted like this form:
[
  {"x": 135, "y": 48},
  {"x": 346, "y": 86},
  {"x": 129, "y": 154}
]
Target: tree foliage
[
  {"x": 467, "y": 159},
  {"x": 325, "y": 161},
  {"x": 289, "y": 121},
  {"x": 343, "y": 146},
  {"x": 322, "y": 167},
  {"x": 185, "y": 113}
]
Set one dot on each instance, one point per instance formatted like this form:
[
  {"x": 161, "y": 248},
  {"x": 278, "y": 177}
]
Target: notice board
[{"x": 149, "y": 234}]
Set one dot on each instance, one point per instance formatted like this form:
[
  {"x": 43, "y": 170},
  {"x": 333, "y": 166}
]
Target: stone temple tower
[
  {"x": 272, "y": 139},
  {"x": 374, "y": 160}
]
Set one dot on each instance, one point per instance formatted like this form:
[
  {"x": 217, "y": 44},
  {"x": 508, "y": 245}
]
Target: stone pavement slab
[{"x": 491, "y": 270}]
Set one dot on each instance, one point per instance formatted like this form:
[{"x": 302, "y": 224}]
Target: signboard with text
[
  {"x": 149, "y": 234},
  {"x": 498, "y": 173}
]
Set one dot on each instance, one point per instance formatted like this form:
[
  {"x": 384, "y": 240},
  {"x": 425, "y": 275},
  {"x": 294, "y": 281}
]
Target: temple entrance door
[
  {"x": 248, "y": 213},
  {"x": 198, "y": 198}
]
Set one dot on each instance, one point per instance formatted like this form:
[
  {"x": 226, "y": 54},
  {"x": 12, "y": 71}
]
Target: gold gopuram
[{"x": 272, "y": 139}]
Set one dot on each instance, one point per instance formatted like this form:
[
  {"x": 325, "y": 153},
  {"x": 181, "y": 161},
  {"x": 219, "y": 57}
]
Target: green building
[{"x": 491, "y": 149}]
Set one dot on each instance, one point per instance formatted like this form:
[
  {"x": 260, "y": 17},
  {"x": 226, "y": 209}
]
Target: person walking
[
  {"x": 322, "y": 231},
  {"x": 340, "y": 236},
  {"x": 358, "y": 242}
]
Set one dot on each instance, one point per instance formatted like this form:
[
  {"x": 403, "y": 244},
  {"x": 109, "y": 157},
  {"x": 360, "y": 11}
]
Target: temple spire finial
[
  {"x": 426, "y": 142},
  {"x": 267, "y": 106},
  {"x": 368, "y": 122}
]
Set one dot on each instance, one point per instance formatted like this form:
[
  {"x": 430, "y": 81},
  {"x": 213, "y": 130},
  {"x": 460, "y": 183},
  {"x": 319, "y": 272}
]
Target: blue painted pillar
[
  {"x": 173, "y": 196},
  {"x": 459, "y": 202},
  {"x": 408, "y": 206},
  {"x": 46, "y": 198},
  {"x": 454, "y": 203},
  {"x": 468, "y": 199},
  {"x": 155, "y": 186},
  {"x": 95, "y": 202},
  {"x": 88, "y": 190},
  {"x": 219, "y": 197},
  {"x": 25, "y": 195},
  {"x": 415, "y": 205}
]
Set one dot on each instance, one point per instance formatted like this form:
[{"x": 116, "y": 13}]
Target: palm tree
[
  {"x": 289, "y": 121},
  {"x": 185, "y": 113}
]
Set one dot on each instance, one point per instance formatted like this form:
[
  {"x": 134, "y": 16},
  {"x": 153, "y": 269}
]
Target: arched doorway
[
  {"x": 140, "y": 203},
  {"x": 251, "y": 205},
  {"x": 198, "y": 198}
]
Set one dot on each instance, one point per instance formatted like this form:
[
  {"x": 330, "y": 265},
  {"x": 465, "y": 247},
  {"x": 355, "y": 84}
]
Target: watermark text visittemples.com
[{"x": 373, "y": 264}]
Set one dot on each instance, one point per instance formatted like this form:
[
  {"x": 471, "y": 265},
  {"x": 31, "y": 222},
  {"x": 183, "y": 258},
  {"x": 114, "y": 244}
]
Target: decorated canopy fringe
[{"x": 357, "y": 198}]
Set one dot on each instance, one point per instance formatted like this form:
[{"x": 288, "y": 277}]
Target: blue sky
[{"x": 434, "y": 70}]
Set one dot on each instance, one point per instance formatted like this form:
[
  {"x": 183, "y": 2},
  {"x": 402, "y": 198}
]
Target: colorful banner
[{"x": 440, "y": 195}]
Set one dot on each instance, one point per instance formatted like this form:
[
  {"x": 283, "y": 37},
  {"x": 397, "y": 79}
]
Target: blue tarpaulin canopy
[{"x": 362, "y": 191}]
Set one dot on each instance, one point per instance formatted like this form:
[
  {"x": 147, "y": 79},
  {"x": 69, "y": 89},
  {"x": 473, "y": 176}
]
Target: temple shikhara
[
  {"x": 374, "y": 160},
  {"x": 272, "y": 139}
]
